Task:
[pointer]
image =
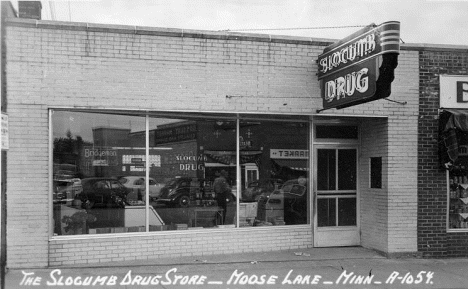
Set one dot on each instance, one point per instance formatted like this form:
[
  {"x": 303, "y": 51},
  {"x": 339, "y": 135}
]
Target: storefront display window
[
  {"x": 91, "y": 152},
  {"x": 453, "y": 155},
  {"x": 203, "y": 172},
  {"x": 458, "y": 199}
]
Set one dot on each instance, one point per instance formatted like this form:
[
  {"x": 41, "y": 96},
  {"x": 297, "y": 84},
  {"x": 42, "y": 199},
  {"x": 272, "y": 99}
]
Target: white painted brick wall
[
  {"x": 373, "y": 202},
  {"x": 62, "y": 68},
  {"x": 399, "y": 224}
]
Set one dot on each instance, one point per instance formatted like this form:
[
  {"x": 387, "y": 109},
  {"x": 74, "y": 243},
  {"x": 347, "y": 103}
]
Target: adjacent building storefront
[
  {"x": 442, "y": 218},
  {"x": 135, "y": 143}
]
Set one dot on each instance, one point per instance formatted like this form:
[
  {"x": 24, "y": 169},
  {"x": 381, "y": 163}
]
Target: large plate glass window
[
  {"x": 198, "y": 170},
  {"x": 204, "y": 171},
  {"x": 98, "y": 173},
  {"x": 281, "y": 192}
]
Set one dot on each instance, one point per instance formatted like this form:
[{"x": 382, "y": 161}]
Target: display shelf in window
[{"x": 458, "y": 200}]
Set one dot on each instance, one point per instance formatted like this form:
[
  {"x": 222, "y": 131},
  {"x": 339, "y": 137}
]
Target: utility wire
[
  {"x": 69, "y": 10},
  {"x": 52, "y": 10},
  {"x": 299, "y": 28}
]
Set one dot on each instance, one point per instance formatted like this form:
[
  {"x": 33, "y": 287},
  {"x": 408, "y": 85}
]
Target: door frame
[{"x": 327, "y": 236}]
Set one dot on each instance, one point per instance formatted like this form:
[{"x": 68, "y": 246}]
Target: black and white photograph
[{"x": 234, "y": 144}]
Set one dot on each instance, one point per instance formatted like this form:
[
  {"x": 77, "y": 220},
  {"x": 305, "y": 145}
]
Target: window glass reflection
[
  {"x": 347, "y": 169},
  {"x": 100, "y": 173},
  {"x": 326, "y": 212},
  {"x": 199, "y": 168},
  {"x": 326, "y": 169},
  {"x": 97, "y": 171},
  {"x": 336, "y": 132},
  {"x": 347, "y": 211}
]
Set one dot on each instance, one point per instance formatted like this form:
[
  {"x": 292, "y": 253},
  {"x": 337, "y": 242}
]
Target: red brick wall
[{"x": 433, "y": 239}]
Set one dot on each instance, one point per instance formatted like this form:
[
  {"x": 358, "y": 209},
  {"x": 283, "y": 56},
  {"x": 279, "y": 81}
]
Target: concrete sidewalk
[{"x": 348, "y": 267}]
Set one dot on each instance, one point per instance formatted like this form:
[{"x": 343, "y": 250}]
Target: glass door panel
[
  {"x": 347, "y": 169},
  {"x": 326, "y": 212},
  {"x": 347, "y": 211},
  {"x": 336, "y": 190},
  {"x": 326, "y": 170}
]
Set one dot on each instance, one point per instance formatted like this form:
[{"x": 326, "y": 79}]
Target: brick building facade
[
  {"x": 79, "y": 67},
  {"x": 433, "y": 238}
]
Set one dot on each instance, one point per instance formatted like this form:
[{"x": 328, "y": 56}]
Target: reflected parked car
[
  {"x": 137, "y": 184},
  {"x": 292, "y": 189},
  {"x": 261, "y": 187},
  {"x": 103, "y": 193},
  {"x": 181, "y": 191},
  {"x": 65, "y": 172},
  {"x": 65, "y": 191},
  {"x": 289, "y": 202}
]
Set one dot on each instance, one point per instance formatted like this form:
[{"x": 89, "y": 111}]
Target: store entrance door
[{"x": 336, "y": 220}]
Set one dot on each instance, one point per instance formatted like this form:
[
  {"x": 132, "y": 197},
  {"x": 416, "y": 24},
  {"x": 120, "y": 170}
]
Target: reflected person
[{"x": 222, "y": 189}]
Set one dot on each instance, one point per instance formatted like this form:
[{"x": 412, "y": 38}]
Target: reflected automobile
[
  {"x": 103, "y": 193},
  {"x": 291, "y": 198},
  {"x": 178, "y": 192},
  {"x": 137, "y": 184},
  {"x": 65, "y": 191},
  {"x": 65, "y": 172},
  {"x": 262, "y": 187},
  {"x": 181, "y": 191},
  {"x": 292, "y": 189}
]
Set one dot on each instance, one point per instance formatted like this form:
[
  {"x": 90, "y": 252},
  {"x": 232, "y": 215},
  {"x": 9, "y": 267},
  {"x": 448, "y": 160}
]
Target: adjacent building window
[
  {"x": 458, "y": 198},
  {"x": 453, "y": 156},
  {"x": 198, "y": 170}
]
